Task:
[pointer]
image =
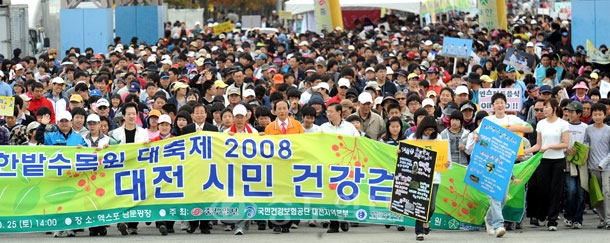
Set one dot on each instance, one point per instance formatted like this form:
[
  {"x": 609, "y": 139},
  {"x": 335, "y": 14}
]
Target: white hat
[
  {"x": 321, "y": 85},
  {"x": 58, "y": 80},
  {"x": 166, "y": 61},
  {"x": 102, "y": 102},
  {"x": 240, "y": 110},
  {"x": 93, "y": 118},
  {"x": 64, "y": 115},
  {"x": 343, "y": 82},
  {"x": 378, "y": 100},
  {"x": 304, "y": 43},
  {"x": 428, "y": 43},
  {"x": 63, "y": 63},
  {"x": 165, "y": 118},
  {"x": 142, "y": 53},
  {"x": 369, "y": 69},
  {"x": 427, "y": 102},
  {"x": 389, "y": 71},
  {"x": 403, "y": 28},
  {"x": 426, "y": 28},
  {"x": 461, "y": 90},
  {"x": 190, "y": 54},
  {"x": 365, "y": 97},
  {"x": 151, "y": 58},
  {"x": 529, "y": 44},
  {"x": 249, "y": 92},
  {"x": 221, "y": 36},
  {"x": 24, "y": 97}
]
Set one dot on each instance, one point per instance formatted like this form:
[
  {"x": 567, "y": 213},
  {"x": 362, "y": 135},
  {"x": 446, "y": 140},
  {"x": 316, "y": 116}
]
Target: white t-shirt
[
  {"x": 314, "y": 128},
  {"x": 506, "y": 120},
  {"x": 551, "y": 135}
]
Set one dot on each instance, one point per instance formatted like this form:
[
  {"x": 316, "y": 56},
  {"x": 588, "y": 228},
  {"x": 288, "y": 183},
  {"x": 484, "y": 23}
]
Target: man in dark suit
[{"x": 199, "y": 115}]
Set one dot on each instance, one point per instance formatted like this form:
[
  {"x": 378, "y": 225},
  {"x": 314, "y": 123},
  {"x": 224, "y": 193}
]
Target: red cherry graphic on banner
[
  {"x": 445, "y": 200},
  {"x": 453, "y": 203},
  {"x": 59, "y": 208},
  {"x": 81, "y": 182},
  {"x": 335, "y": 147},
  {"x": 451, "y": 180},
  {"x": 87, "y": 188},
  {"x": 333, "y": 186},
  {"x": 102, "y": 174},
  {"x": 469, "y": 205},
  {"x": 93, "y": 177},
  {"x": 196, "y": 211},
  {"x": 100, "y": 192},
  {"x": 465, "y": 211}
]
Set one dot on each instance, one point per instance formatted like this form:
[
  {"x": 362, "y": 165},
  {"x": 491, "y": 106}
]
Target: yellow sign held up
[
  {"x": 285, "y": 15},
  {"x": 223, "y": 27},
  {"x": 441, "y": 147},
  {"x": 7, "y": 105}
]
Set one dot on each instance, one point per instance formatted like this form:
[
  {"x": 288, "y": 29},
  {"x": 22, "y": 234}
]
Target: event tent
[{"x": 304, "y": 6}]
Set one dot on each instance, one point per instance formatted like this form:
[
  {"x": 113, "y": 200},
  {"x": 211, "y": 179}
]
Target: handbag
[{"x": 595, "y": 193}]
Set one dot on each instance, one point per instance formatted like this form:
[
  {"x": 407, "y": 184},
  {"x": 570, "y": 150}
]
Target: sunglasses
[
  {"x": 343, "y": 87},
  {"x": 539, "y": 109}
]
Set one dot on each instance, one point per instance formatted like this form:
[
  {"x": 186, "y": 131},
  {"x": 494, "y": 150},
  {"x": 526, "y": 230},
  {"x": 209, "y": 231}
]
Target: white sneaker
[
  {"x": 294, "y": 226},
  {"x": 552, "y": 228},
  {"x": 500, "y": 232},
  {"x": 184, "y": 225},
  {"x": 577, "y": 225},
  {"x": 488, "y": 227},
  {"x": 238, "y": 231},
  {"x": 70, "y": 233},
  {"x": 227, "y": 227},
  {"x": 57, "y": 233}
]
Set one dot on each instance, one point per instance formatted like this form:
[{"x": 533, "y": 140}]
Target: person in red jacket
[{"x": 38, "y": 100}]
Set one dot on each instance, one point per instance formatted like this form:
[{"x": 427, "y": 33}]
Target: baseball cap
[
  {"x": 156, "y": 113},
  {"x": 164, "y": 75},
  {"x": 402, "y": 73},
  {"x": 594, "y": 75},
  {"x": 529, "y": 44},
  {"x": 431, "y": 93},
  {"x": 166, "y": 61},
  {"x": 461, "y": 90},
  {"x": 372, "y": 69},
  {"x": 24, "y": 97},
  {"x": 272, "y": 69},
  {"x": 262, "y": 57},
  {"x": 321, "y": 63},
  {"x": 581, "y": 85},
  {"x": 575, "y": 106},
  {"x": 372, "y": 85},
  {"x": 344, "y": 82},
  {"x": 510, "y": 69},
  {"x": 365, "y": 97},
  {"x": 486, "y": 78},
  {"x": 474, "y": 78},
  {"x": 220, "y": 84},
  {"x": 278, "y": 79},
  {"x": 546, "y": 89},
  {"x": 180, "y": 85},
  {"x": 467, "y": 106},
  {"x": 134, "y": 87},
  {"x": 304, "y": 43},
  {"x": 102, "y": 102},
  {"x": 64, "y": 115},
  {"x": 76, "y": 98},
  {"x": 240, "y": 110},
  {"x": 427, "y": 102},
  {"x": 412, "y": 75},
  {"x": 321, "y": 85},
  {"x": 58, "y": 80},
  {"x": 165, "y": 118},
  {"x": 95, "y": 92},
  {"x": 249, "y": 92},
  {"x": 432, "y": 69},
  {"x": 32, "y": 126},
  {"x": 233, "y": 90},
  {"x": 18, "y": 66},
  {"x": 93, "y": 118},
  {"x": 451, "y": 107}
]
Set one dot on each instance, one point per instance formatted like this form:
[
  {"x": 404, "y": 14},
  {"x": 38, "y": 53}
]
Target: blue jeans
[
  {"x": 494, "y": 215},
  {"x": 419, "y": 225},
  {"x": 574, "y": 198}
]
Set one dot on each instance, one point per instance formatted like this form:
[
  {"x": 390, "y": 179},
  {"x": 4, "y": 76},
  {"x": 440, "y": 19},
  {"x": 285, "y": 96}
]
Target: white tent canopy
[{"x": 303, "y": 6}]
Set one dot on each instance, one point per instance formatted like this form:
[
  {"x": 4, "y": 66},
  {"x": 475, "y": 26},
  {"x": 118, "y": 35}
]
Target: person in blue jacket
[{"x": 65, "y": 136}]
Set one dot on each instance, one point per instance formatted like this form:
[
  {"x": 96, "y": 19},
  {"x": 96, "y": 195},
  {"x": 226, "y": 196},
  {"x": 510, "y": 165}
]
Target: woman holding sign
[
  {"x": 553, "y": 138},
  {"x": 427, "y": 129}
]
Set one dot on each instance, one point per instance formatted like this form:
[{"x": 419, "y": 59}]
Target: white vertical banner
[{"x": 323, "y": 17}]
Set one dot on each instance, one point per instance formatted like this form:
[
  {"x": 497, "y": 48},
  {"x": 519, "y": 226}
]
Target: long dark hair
[
  {"x": 388, "y": 136},
  {"x": 427, "y": 122}
]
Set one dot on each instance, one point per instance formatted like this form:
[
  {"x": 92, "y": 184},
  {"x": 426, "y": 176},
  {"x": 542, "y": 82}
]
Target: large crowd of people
[{"x": 382, "y": 84}]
